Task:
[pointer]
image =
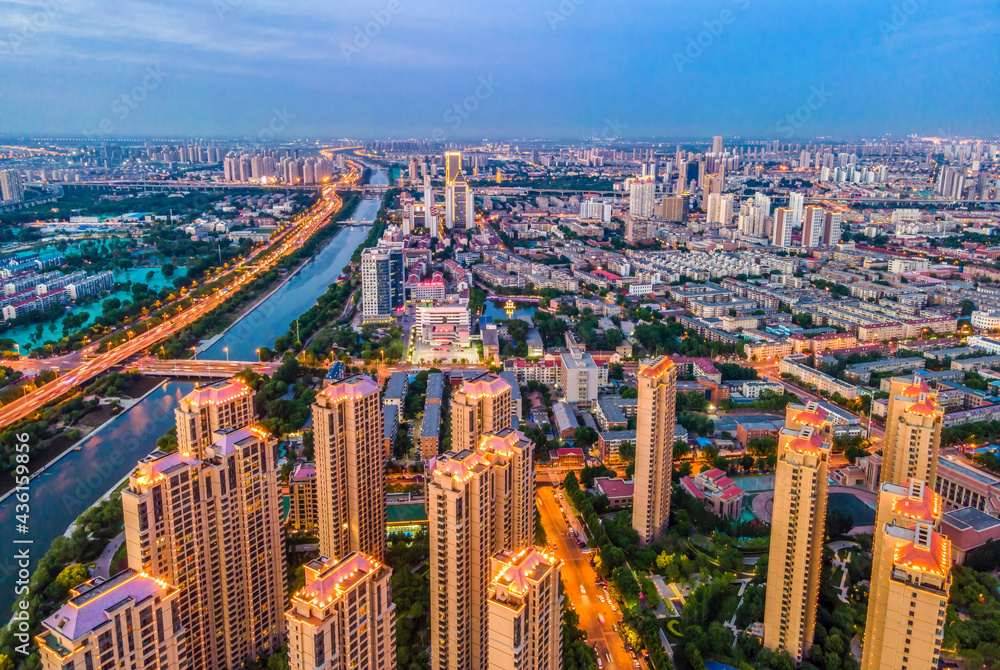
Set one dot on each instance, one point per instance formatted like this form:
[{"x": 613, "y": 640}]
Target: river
[{"x": 75, "y": 482}]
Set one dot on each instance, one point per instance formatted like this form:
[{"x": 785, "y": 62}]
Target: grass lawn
[
  {"x": 836, "y": 577},
  {"x": 727, "y": 608}
]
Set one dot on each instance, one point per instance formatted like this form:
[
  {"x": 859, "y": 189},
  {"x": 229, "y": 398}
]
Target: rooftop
[
  {"x": 355, "y": 387},
  {"x": 217, "y": 393},
  {"x": 970, "y": 518}
]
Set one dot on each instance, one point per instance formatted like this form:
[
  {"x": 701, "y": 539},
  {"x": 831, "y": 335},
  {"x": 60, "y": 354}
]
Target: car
[
  {"x": 600, "y": 597},
  {"x": 600, "y": 617},
  {"x": 613, "y": 608},
  {"x": 583, "y": 590}
]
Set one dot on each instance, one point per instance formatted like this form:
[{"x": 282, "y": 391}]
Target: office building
[
  {"x": 212, "y": 407},
  {"x": 481, "y": 406},
  {"x": 781, "y": 229},
  {"x": 344, "y": 617},
  {"x": 350, "y": 468},
  {"x": 212, "y": 527},
  {"x": 641, "y": 197},
  {"x": 382, "y": 283},
  {"x": 460, "y": 211},
  {"x": 911, "y": 578},
  {"x": 525, "y": 611},
  {"x": 657, "y": 388},
  {"x": 797, "y": 533},
  {"x": 812, "y": 227},
  {"x": 127, "y": 621},
  {"x": 452, "y": 166},
  {"x": 11, "y": 187},
  {"x": 912, "y": 432}
]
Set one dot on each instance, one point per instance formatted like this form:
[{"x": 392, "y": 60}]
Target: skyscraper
[
  {"x": 797, "y": 533},
  {"x": 717, "y": 144},
  {"x": 831, "y": 229},
  {"x": 130, "y": 620},
  {"x": 459, "y": 204},
  {"x": 11, "y": 187},
  {"x": 796, "y": 203},
  {"x": 657, "y": 388},
  {"x": 344, "y": 617},
  {"x": 642, "y": 194},
  {"x": 481, "y": 406},
  {"x": 911, "y": 579},
  {"x": 460, "y": 520},
  {"x": 452, "y": 166},
  {"x": 781, "y": 231},
  {"x": 208, "y": 408},
  {"x": 509, "y": 454},
  {"x": 912, "y": 432},
  {"x": 350, "y": 468},
  {"x": 525, "y": 614},
  {"x": 382, "y": 283},
  {"x": 812, "y": 227},
  {"x": 212, "y": 527}
]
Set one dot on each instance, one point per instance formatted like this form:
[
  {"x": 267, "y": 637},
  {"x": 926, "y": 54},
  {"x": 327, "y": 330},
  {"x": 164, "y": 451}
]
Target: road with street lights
[{"x": 231, "y": 280}]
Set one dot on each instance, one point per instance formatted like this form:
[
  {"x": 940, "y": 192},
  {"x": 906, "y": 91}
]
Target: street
[{"x": 576, "y": 572}]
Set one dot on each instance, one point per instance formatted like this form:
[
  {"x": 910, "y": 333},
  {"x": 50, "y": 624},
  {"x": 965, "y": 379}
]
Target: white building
[
  {"x": 579, "y": 377},
  {"x": 642, "y": 198}
]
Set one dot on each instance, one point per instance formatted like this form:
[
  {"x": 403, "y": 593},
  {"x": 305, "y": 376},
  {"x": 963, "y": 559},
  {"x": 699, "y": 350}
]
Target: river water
[{"x": 75, "y": 482}]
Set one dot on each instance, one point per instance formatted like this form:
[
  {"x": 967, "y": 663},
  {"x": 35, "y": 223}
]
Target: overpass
[
  {"x": 199, "y": 369},
  {"x": 187, "y": 185}
]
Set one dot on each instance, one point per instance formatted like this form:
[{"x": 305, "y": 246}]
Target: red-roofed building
[
  {"x": 569, "y": 457},
  {"x": 718, "y": 493},
  {"x": 618, "y": 491}
]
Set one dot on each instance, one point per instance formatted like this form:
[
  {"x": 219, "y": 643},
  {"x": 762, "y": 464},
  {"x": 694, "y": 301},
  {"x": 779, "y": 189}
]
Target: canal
[{"x": 77, "y": 481}]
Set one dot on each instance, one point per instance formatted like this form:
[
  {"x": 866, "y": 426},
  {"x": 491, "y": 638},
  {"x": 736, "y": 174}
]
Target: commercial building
[
  {"x": 350, "y": 468},
  {"x": 382, "y": 283},
  {"x": 620, "y": 492},
  {"x": 657, "y": 388},
  {"x": 212, "y": 527},
  {"x": 208, "y": 408},
  {"x": 442, "y": 324},
  {"x": 578, "y": 377},
  {"x": 911, "y": 578},
  {"x": 303, "y": 513},
  {"x": 130, "y": 620},
  {"x": 961, "y": 484},
  {"x": 912, "y": 433},
  {"x": 481, "y": 406},
  {"x": 343, "y": 617},
  {"x": 797, "y": 534},
  {"x": 525, "y": 611}
]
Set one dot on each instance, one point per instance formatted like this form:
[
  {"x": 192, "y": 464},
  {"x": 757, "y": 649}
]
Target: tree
[
  {"x": 681, "y": 449},
  {"x": 629, "y": 392},
  {"x": 72, "y": 575},
  {"x": 585, "y": 437},
  {"x": 627, "y": 451}
]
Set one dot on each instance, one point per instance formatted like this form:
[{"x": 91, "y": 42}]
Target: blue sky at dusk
[{"x": 563, "y": 70}]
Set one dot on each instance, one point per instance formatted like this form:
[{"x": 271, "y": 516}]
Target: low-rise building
[
  {"x": 303, "y": 514},
  {"x": 718, "y": 493},
  {"x": 968, "y": 529},
  {"x": 619, "y": 491}
]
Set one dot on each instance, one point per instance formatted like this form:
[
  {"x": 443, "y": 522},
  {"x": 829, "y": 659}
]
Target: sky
[{"x": 445, "y": 69}]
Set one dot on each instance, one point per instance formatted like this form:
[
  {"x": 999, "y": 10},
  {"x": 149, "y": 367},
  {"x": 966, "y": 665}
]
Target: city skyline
[{"x": 468, "y": 72}]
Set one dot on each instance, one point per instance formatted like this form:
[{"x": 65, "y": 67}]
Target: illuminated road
[
  {"x": 576, "y": 571},
  {"x": 241, "y": 274}
]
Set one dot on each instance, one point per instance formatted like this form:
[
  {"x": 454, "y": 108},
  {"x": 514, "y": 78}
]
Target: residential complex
[
  {"x": 482, "y": 405},
  {"x": 912, "y": 433},
  {"x": 212, "y": 407},
  {"x": 657, "y": 388},
  {"x": 350, "y": 468}
]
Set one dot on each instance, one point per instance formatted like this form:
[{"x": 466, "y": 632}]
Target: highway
[
  {"x": 241, "y": 274},
  {"x": 576, "y": 572}
]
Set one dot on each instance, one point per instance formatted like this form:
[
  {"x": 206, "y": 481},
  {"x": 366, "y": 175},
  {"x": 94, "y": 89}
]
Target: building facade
[
  {"x": 208, "y": 408},
  {"x": 657, "y": 389},
  {"x": 525, "y": 611},
  {"x": 481, "y": 406}
]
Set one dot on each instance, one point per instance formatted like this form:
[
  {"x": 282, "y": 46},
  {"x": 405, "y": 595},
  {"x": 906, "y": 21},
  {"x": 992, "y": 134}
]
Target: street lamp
[
  {"x": 226, "y": 349},
  {"x": 258, "y": 357}
]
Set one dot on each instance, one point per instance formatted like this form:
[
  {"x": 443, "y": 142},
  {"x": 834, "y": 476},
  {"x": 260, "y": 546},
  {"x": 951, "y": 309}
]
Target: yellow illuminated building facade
[
  {"x": 798, "y": 527},
  {"x": 654, "y": 456},
  {"x": 481, "y": 406},
  {"x": 525, "y": 613},
  {"x": 350, "y": 468},
  {"x": 208, "y": 408},
  {"x": 912, "y": 433},
  {"x": 344, "y": 617}
]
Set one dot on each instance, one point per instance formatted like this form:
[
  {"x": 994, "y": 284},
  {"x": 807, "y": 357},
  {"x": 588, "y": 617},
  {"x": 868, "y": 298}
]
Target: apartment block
[
  {"x": 208, "y": 408},
  {"x": 130, "y": 620},
  {"x": 525, "y": 611},
  {"x": 657, "y": 389},
  {"x": 481, "y": 406},
  {"x": 509, "y": 454},
  {"x": 350, "y": 468},
  {"x": 212, "y": 527},
  {"x": 797, "y": 534},
  {"x": 303, "y": 514},
  {"x": 912, "y": 432},
  {"x": 344, "y": 617}
]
